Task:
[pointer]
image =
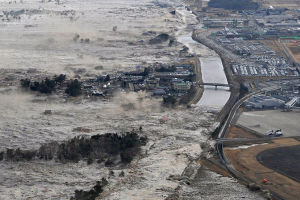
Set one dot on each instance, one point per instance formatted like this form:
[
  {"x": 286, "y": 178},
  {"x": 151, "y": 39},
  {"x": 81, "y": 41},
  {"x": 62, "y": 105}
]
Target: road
[
  {"x": 228, "y": 122},
  {"x": 198, "y": 73},
  {"x": 224, "y": 130}
]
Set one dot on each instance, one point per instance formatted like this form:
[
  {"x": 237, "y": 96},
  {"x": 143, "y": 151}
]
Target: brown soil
[
  {"x": 238, "y": 132},
  {"x": 294, "y": 49},
  {"x": 244, "y": 160},
  {"x": 214, "y": 167},
  {"x": 276, "y": 46}
]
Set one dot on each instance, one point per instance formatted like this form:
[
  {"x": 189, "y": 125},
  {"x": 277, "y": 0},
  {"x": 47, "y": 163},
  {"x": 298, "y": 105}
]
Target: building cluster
[
  {"x": 242, "y": 32},
  {"x": 278, "y": 22},
  {"x": 160, "y": 80},
  {"x": 101, "y": 86},
  {"x": 225, "y": 22},
  {"x": 286, "y": 97},
  {"x": 270, "y": 22},
  {"x": 175, "y": 80},
  {"x": 264, "y": 102},
  {"x": 259, "y": 59}
]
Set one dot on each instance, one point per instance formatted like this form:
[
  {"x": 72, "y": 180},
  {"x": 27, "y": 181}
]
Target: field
[
  {"x": 238, "y": 132},
  {"x": 289, "y": 49},
  {"x": 276, "y": 46},
  {"x": 245, "y": 161},
  {"x": 289, "y": 165},
  {"x": 294, "y": 50}
]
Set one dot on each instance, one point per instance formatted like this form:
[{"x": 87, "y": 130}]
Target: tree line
[
  {"x": 93, "y": 193},
  {"x": 101, "y": 148},
  {"x": 49, "y": 85}
]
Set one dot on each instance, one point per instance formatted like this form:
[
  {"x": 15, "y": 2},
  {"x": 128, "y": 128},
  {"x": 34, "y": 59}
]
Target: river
[
  {"x": 213, "y": 72},
  {"x": 211, "y": 65}
]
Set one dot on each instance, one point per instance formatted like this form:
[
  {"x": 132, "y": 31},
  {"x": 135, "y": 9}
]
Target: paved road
[
  {"x": 228, "y": 123},
  {"x": 224, "y": 129}
]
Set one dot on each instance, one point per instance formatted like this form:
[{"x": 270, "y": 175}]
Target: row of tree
[
  {"x": 93, "y": 193},
  {"x": 47, "y": 86},
  {"x": 98, "y": 147}
]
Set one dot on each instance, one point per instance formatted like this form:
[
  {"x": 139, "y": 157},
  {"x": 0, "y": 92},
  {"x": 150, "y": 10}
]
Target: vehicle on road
[
  {"x": 277, "y": 133},
  {"x": 270, "y": 132}
]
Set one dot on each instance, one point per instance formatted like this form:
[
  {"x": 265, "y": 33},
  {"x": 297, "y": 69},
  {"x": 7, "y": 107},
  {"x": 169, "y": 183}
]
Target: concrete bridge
[{"x": 213, "y": 84}]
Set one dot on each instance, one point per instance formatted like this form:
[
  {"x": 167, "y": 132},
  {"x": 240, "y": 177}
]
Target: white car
[
  {"x": 270, "y": 132},
  {"x": 278, "y": 133}
]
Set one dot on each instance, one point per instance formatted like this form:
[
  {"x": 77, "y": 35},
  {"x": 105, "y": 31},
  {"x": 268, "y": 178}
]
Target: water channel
[{"x": 211, "y": 65}]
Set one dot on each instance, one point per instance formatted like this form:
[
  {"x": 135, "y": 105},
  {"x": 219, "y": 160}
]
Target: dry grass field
[
  {"x": 294, "y": 49},
  {"x": 245, "y": 161}
]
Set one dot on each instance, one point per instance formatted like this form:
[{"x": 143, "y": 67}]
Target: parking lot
[{"x": 263, "y": 121}]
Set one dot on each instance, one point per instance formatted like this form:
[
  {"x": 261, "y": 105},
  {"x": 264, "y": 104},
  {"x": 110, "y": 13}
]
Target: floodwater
[{"x": 43, "y": 39}]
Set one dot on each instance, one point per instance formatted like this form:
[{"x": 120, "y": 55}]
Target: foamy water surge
[{"x": 43, "y": 39}]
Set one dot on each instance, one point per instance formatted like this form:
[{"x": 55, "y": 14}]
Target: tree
[
  {"x": 169, "y": 100},
  {"x": 60, "y": 79},
  {"x": 122, "y": 174},
  {"x": 35, "y": 86},
  {"x": 146, "y": 71},
  {"x": 104, "y": 182},
  {"x": 47, "y": 86},
  {"x": 107, "y": 78},
  {"x": 25, "y": 83},
  {"x": 127, "y": 156},
  {"x": 73, "y": 88}
]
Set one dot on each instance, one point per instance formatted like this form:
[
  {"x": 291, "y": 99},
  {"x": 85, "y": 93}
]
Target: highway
[
  {"x": 223, "y": 131},
  {"x": 229, "y": 119}
]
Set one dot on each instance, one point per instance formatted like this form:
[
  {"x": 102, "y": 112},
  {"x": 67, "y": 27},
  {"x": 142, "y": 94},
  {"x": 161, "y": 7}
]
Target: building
[
  {"x": 181, "y": 86},
  {"x": 151, "y": 83},
  {"x": 264, "y": 102},
  {"x": 222, "y": 23}
]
